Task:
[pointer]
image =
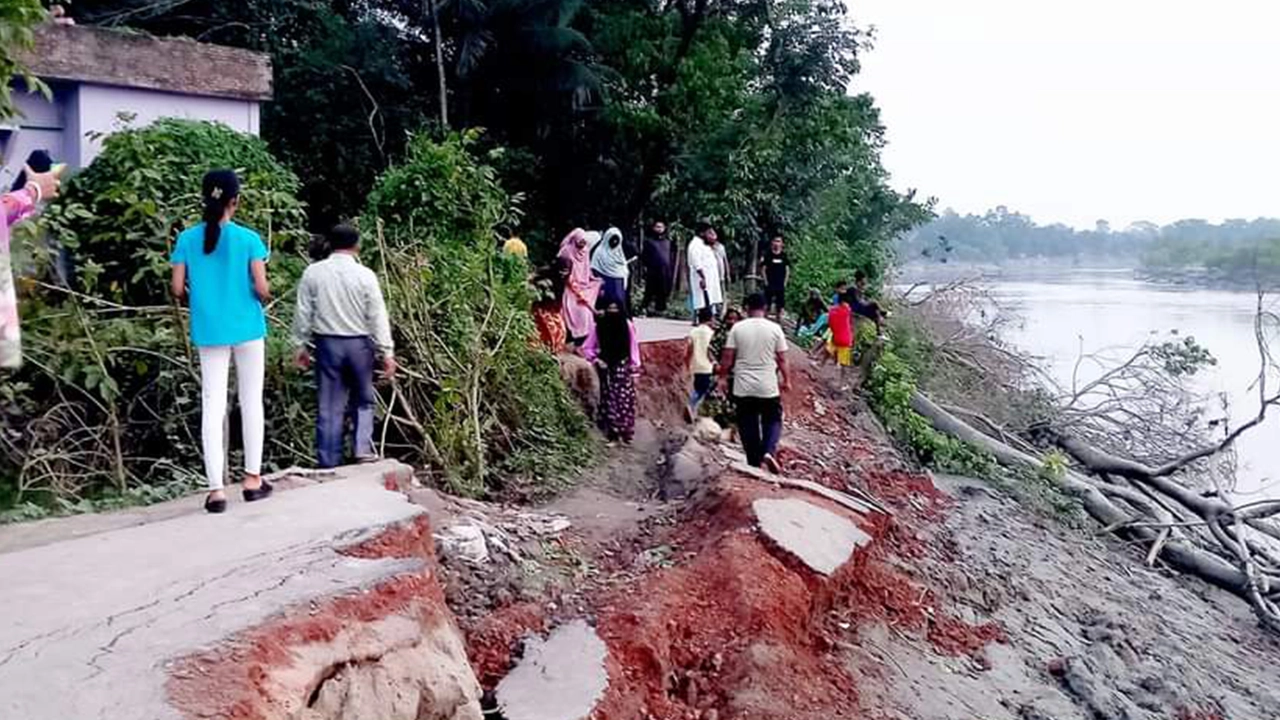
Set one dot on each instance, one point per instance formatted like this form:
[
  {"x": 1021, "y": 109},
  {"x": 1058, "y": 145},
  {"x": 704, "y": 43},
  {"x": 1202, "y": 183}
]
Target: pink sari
[
  {"x": 580, "y": 291},
  {"x": 17, "y": 207}
]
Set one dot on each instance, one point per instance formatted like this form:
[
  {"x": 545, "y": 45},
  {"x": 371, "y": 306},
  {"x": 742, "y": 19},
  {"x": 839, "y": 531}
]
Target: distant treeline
[{"x": 1002, "y": 235}]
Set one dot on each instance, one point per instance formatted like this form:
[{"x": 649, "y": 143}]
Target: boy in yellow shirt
[{"x": 698, "y": 361}]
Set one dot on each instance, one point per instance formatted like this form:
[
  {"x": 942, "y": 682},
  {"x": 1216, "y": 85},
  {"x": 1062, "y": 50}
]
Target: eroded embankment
[
  {"x": 391, "y": 652},
  {"x": 729, "y": 624}
]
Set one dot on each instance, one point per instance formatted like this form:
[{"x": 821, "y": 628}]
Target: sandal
[
  {"x": 262, "y": 492},
  {"x": 214, "y": 507}
]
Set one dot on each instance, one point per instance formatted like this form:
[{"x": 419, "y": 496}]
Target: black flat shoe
[
  {"x": 214, "y": 507},
  {"x": 261, "y": 492}
]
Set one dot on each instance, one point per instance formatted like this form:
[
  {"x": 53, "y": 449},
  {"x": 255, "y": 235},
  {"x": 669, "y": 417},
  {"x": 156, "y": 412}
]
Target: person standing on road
[
  {"x": 341, "y": 321},
  {"x": 222, "y": 267},
  {"x": 657, "y": 257},
  {"x": 722, "y": 263},
  {"x": 705, "y": 288},
  {"x": 755, "y": 357},
  {"x": 776, "y": 269}
]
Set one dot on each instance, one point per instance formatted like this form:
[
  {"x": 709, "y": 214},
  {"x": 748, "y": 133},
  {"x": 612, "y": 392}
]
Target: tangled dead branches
[{"x": 1135, "y": 435}]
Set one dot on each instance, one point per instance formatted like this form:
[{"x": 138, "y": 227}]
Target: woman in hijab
[
  {"x": 578, "y": 302},
  {"x": 609, "y": 263},
  {"x": 615, "y": 350}
]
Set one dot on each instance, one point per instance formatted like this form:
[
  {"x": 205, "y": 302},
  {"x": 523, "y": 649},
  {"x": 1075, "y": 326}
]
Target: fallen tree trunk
[{"x": 1177, "y": 553}]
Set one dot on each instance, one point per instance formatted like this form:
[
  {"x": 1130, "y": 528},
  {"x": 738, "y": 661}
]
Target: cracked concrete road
[{"x": 88, "y": 625}]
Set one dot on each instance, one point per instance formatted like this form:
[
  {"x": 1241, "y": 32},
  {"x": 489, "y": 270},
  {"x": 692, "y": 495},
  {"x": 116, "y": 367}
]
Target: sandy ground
[{"x": 1092, "y": 634}]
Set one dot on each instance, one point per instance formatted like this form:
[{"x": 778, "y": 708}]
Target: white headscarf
[{"x": 610, "y": 260}]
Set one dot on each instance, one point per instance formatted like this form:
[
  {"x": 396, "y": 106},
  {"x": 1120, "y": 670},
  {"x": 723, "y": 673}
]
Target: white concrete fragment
[
  {"x": 466, "y": 542},
  {"x": 707, "y": 430},
  {"x": 560, "y": 678},
  {"x": 820, "y": 538}
]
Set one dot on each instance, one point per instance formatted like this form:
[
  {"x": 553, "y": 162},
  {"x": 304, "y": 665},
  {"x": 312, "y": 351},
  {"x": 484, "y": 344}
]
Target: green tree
[
  {"x": 484, "y": 407},
  {"x": 18, "y": 20}
]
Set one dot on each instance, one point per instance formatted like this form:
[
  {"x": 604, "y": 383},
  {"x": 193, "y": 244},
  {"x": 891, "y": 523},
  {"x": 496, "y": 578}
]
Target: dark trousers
[
  {"x": 657, "y": 287},
  {"x": 344, "y": 374},
  {"x": 759, "y": 426}
]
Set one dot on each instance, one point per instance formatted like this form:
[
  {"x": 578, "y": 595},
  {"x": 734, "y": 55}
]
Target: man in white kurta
[{"x": 704, "y": 271}]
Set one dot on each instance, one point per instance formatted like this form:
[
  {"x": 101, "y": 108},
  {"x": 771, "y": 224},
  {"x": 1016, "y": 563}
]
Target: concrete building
[{"x": 102, "y": 78}]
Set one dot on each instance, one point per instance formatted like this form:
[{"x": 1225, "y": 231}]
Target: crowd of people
[{"x": 737, "y": 365}]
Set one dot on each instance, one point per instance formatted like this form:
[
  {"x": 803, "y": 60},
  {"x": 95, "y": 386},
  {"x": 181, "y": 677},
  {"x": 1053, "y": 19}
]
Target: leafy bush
[
  {"x": 892, "y": 383},
  {"x": 108, "y": 402},
  {"x": 18, "y": 20},
  {"x": 478, "y": 403},
  {"x": 107, "y": 409},
  {"x": 118, "y": 217}
]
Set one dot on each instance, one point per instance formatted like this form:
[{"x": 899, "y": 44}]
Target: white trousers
[{"x": 215, "y": 369}]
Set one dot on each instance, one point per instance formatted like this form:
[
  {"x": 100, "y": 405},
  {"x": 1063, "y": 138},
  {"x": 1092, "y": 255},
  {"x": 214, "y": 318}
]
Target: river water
[{"x": 1059, "y": 312}]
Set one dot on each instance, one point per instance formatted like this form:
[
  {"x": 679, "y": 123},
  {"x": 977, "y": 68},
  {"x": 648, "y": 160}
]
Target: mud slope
[{"x": 964, "y": 606}]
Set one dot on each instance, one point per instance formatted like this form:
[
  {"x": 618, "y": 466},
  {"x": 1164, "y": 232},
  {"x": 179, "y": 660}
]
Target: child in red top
[{"x": 840, "y": 320}]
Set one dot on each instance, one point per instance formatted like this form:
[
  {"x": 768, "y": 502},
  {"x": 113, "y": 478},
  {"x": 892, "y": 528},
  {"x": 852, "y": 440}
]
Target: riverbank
[{"x": 957, "y": 606}]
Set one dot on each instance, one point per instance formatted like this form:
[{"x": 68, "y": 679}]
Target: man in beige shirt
[
  {"x": 342, "y": 318},
  {"x": 756, "y": 354}
]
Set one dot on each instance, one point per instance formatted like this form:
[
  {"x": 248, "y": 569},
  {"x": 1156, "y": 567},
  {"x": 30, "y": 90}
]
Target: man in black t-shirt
[{"x": 776, "y": 269}]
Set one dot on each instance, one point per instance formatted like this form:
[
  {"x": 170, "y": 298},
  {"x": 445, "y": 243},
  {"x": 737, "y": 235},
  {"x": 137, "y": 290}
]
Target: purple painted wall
[{"x": 62, "y": 126}]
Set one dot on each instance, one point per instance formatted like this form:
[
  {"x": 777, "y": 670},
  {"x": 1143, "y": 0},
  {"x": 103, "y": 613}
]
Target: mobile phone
[{"x": 39, "y": 161}]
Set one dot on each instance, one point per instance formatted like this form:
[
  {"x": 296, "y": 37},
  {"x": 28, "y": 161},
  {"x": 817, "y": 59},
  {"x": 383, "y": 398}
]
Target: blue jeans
[
  {"x": 702, "y": 384},
  {"x": 344, "y": 375}
]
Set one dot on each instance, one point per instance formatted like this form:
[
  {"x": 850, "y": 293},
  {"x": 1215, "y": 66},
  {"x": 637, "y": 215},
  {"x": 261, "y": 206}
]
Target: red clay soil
[
  {"x": 411, "y": 539},
  {"x": 663, "y": 385},
  {"x": 229, "y": 682},
  {"x": 737, "y": 629},
  {"x": 490, "y": 641},
  {"x": 742, "y": 630}
]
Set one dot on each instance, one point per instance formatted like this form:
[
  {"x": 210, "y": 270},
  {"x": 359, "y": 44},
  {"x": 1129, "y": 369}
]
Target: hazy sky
[{"x": 1073, "y": 111}]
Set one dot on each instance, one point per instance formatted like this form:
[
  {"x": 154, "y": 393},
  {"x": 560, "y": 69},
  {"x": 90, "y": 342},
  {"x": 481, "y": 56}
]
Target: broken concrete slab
[
  {"x": 820, "y": 538},
  {"x": 103, "y": 614},
  {"x": 560, "y": 678}
]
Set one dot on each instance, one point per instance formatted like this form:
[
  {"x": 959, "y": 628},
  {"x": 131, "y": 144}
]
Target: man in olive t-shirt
[{"x": 756, "y": 354}]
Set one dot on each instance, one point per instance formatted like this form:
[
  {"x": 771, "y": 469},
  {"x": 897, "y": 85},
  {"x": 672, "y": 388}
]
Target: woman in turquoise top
[{"x": 221, "y": 267}]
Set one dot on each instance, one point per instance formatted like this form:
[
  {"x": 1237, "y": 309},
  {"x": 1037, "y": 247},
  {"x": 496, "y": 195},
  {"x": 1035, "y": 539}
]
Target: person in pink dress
[
  {"x": 580, "y": 289},
  {"x": 17, "y": 206}
]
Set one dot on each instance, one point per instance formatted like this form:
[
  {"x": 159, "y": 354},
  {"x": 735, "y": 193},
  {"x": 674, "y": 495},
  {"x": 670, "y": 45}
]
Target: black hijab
[{"x": 613, "y": 333}]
